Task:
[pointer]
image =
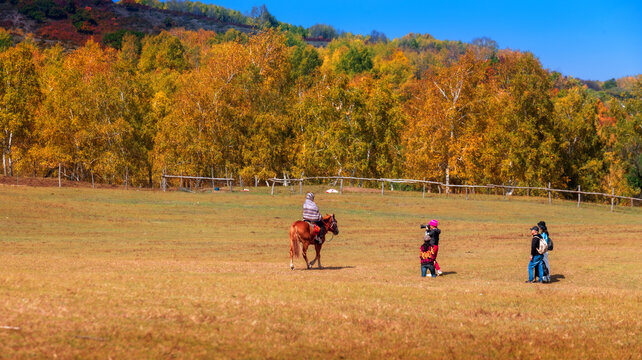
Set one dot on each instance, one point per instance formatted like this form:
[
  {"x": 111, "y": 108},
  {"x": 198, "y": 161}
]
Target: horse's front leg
[
  {"x": 317, "y": 249},
  {"x": 316, "y": 255},
  {"x": 305, "y": 254}
]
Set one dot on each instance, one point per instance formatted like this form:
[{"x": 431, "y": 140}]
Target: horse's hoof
[{"x": 291, "y": 267}]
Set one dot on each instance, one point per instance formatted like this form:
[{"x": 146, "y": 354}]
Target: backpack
[
  {"x": 550, "y": 244},
  {"x": 543, "y": 246}
]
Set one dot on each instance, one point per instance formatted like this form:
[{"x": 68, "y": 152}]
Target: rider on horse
[{"x": 312, "y": 215}]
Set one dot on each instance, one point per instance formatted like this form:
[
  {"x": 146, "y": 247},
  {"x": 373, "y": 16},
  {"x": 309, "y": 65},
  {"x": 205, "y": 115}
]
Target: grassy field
[{"x": 137, "y": 274}]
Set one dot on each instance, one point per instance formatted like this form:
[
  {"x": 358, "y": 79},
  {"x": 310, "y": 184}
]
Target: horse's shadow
[
  {"x": 328, "y": 268},
  {"x": 557, "y": 277}
]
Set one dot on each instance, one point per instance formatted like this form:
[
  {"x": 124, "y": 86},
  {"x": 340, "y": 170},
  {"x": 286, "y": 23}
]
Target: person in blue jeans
[
  {"x": 536, "y": 257},
  {"x": 545, "y": 263},
  {"x": 427, "y": 258}
]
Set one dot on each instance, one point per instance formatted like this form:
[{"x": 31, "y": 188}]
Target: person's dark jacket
[
  {"x": 535, "y": 245},
  {"x": 434, "y": 236}
]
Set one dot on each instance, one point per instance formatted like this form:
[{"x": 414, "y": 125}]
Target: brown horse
[{"x": 301, "y": 231}]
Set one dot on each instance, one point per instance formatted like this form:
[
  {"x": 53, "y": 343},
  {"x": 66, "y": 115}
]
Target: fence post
[
  {"x": 578, "y": 195},
  {"x": 612, "y": 198},
  {"x": 92, "y": 178},
  {"x": 256, "y": 181},
  {"x": 240, "y": 182},
  {"x": 631, "y": 203},
  {"x": 59, "y": 182},
  {"x": 126, "y": 177},
  {"x": 439, "y": 188},
  {"x": 549, "y": 192},
  {"x": 423, "y": 194},
  {"x": 504, "y": 191},
  {"x": 301, "y": 184},
  {"x": 231, "y": 182},
  {"x": 341, "y": 187},
  {"x": 382, "y": 184},
  {"x": 212, "y": 175},
  {"x": 273, "y": 187},
  {"x": 466, "y": 187}
]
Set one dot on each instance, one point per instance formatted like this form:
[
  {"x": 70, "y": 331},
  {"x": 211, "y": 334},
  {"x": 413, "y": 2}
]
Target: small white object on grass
[
  {"x": 331, "y": 191},
  {"x": 246, "y": 190},
  {"x": 9, "y": 327}
]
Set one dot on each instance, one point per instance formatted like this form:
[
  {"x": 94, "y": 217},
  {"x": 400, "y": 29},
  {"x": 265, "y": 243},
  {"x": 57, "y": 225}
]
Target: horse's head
[{"x": 331, "y": 224}]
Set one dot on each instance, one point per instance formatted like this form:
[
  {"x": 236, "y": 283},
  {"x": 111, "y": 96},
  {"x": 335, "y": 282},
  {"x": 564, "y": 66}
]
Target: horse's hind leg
[
  {"x": 291, "y": 256},
  {"x": 293, "y": 243}
]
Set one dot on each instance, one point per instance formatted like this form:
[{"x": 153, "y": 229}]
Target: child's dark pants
[{"x": 426, "y": 267}]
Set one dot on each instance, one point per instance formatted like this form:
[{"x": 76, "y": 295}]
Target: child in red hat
[{"x": 433, "y": 232}]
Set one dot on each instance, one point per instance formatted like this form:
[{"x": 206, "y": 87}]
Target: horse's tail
[{"x": 295, "y": 238}]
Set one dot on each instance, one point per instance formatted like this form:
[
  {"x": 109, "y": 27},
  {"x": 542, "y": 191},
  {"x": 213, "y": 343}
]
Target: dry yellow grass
[{"x": 114, "y": 274}]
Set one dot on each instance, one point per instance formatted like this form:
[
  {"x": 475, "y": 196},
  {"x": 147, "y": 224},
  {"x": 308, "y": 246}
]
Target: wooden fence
[
  {"x": 229, "y": 182},
  {"x": 466, "y": 189},
  {"x": 446, "y": 188}
]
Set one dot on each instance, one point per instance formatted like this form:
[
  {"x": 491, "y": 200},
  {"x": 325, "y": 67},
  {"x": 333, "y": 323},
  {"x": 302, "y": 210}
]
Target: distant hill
[
  {"x": 613, "y": 87},
  {"x": 73, "y": 22}
]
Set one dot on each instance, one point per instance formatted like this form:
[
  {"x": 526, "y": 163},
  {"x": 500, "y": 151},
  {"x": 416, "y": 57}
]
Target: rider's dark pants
[{"x": 323, "y": 229}]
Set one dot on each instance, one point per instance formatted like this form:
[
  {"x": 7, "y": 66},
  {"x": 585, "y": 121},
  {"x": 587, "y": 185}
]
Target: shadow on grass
[
  {"x": 557, "y": 277},
  {"x": 448, "y": 273},
  {"x": 329, "y": 268}
]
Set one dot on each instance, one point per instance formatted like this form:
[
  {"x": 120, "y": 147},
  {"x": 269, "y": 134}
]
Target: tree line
[{"x": 196, "y": 102}]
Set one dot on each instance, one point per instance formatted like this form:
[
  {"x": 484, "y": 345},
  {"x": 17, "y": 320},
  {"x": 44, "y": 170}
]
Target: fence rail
[
  {"x": 447, "y": 187},
  {"x": 229, "y": 181},
  {"x": 506, "y": 189},
  {"x": 414, "y": 181}
]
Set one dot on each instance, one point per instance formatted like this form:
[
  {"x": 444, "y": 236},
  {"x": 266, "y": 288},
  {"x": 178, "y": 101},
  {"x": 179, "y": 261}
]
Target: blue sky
[{"x": 595, "y": 40}]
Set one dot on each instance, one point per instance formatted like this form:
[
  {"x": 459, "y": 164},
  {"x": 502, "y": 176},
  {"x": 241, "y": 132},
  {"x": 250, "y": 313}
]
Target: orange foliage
[{"x": 604, "y": 115}]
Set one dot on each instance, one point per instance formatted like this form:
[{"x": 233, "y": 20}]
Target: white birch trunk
[
  {"x": 9, "y": 154},
  {"x": 447, "y": 177}
]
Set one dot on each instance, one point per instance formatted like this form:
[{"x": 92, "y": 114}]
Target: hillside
[
  {"x": 117, "y": 107},
  {"x": 73, "y": 22}
]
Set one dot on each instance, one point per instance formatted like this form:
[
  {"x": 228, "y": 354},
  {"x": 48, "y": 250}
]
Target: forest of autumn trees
[{"x": 186, "y": 102}]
